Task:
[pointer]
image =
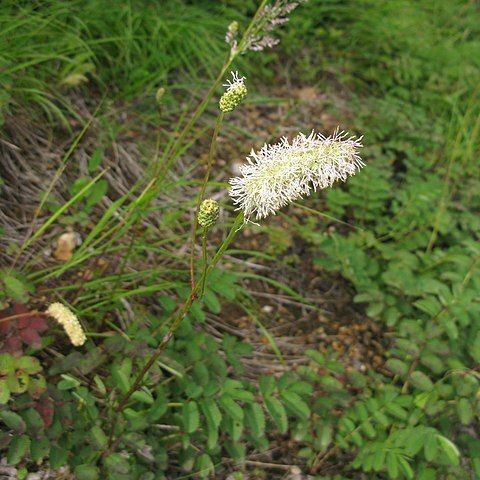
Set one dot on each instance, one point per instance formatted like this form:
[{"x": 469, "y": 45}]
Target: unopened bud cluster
[
  {"x": 236, "y": 92},
  {"x": 69, "y": 321},
  {"x": 208, "y": 214}
]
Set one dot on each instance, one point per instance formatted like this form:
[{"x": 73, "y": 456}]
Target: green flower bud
[
  {"x": 208, "y": 214},
  {"x": 235, "y": 93}
]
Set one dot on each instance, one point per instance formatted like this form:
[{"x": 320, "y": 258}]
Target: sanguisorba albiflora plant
[{"x": 271, "y": 179}]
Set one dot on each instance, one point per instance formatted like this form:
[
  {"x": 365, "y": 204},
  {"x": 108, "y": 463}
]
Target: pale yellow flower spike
[{"x": 69, "y": 321}]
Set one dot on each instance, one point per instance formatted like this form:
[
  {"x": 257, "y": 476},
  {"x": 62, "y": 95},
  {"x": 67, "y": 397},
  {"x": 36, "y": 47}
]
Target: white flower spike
[
  {"x": 279, "y": 174},
  {"x": 69, "y": 321}
]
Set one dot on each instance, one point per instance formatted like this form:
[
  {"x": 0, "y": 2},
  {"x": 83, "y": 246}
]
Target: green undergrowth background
[{"x": 403, "y": 74}]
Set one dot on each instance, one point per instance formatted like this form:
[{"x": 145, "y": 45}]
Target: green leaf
[
  {"x": 405, "y": 467},
  {"x": 236, "y": 450},
  {"x": 96, "y": 193},
  {"x": 37, "y": 386},
  {"x": 68, "y": 383},
  {"x": 18, "y": 448},
  {"x": 99, "y": 438},
  {"x": 58, "y": 457},
  {"x": 295, "y": 403},
  {"x": 39, "y": 449},
  {"x": 186, "y": 459},
  {"x": 316, "y": 356},
  {"x": 33, "y": 421},
  {"x": 213, "y": 417},
  {"x": 429, "y": 305},
  {"x": 475, "y": 348},
  {"x": 116, "y": 465},
  {"x": 87, "y": 472},
  {"x": 158, "y": 407},
  {"x": 368, "y": 429},
  {"x": 121, "y": 380},
  {"x": 378, "y": 459},
  {"x": 18, "y": 383},
  {"x": 211, "y": 412},
  {"x": 397, "y": 367},
  {"x": 7, "y": 364},
  {"x": 278, "y": 414},
  {"x": 465, "y": 411},
  {"x": 392, "y": 465},
  {"x": 266, "y": 385},
  {"x": 421, "y": 381},
  {"x": 13, "y": 421},
  {"x": 15, "y": 289},
  {"x": 100, "y": 385},
  {"x": 205, "y": 466},
  {"x": 30, "y": 365},
  {"x": 143, "y": 396},
  {"x": 231, "y": 408},
  {"x": 431, "y": 447},
  {"x": 211, "y": 301},
  {"x": 95, "y": 160},
  {"x": 396, "y": 410},
  {"x": 191, "y": 416},
  {"x": 433, "y": 362},
  {"x": 4, "y": 392},
  {"x": 450, "y": 450},
  {"x": 255, "y": 419}
]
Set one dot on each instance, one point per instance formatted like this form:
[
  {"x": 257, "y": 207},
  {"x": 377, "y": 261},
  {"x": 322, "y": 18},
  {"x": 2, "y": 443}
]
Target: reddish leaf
[
  {"x": 45, "y": 407},
  {"x": 13, "y": 346},
  {"x": 38, "y": 324},
  {"x": 19, "y": 309},
  {"x": 31, "y": 338},
  {"x": 5, "y": 326}
]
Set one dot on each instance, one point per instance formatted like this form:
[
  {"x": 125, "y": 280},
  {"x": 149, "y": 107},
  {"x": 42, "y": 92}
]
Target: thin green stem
[
  {"x": 204, "y": 259},
  {"x": 200, "y": 198}
]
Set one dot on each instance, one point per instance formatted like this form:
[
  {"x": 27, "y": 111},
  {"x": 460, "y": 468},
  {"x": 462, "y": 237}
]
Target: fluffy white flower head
[{"x": 279, "y": 174}]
